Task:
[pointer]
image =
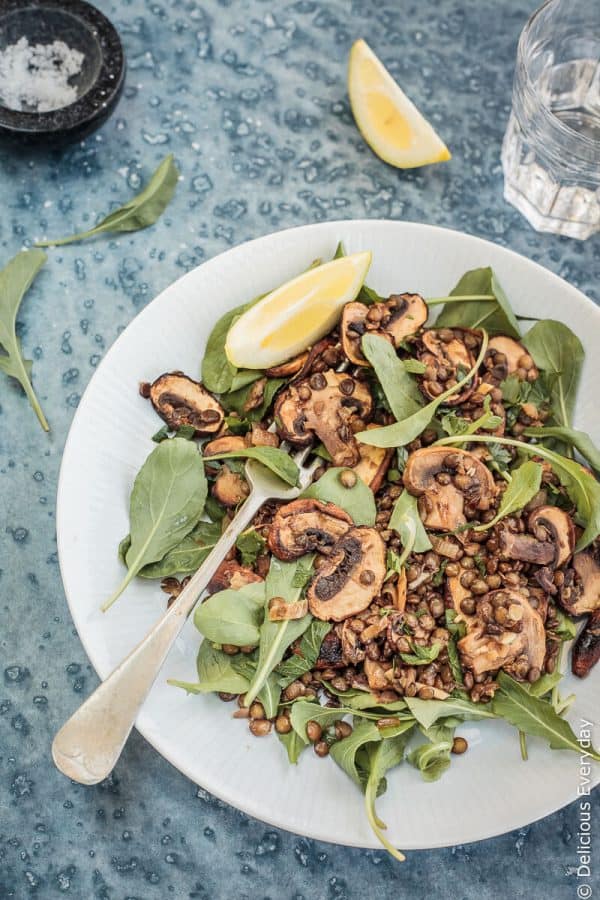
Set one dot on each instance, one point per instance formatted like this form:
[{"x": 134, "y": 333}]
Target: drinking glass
[{"x": 551, "y": 149}]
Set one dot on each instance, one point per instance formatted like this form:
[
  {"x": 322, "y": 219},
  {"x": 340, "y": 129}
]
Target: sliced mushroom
[
  {"x": 181, "y": 401},
  {"x": 455, "y": 594},
  {"x": 586, "y": 651},
  {"x": 330, "y": 654},
  {"x": 289, "y": 368},
  {"x": 580, "y": 593},
  {"x": 261, "y": 437},
  {"x": 373, "y": 463},
  {"x": 550, "y": 522},
  {"x": 525, "y": 547},
  {"x": 505, "y": 357},
  {"x": 230, "y": 488},
  {"x": 282, "y": 610},
  {"x": 255, "y": 396},
  {"x": 325, "y": 354},
  {"x": 448, "y": 358},
  {"x": 375, "y": 675},
  {"x": 396, "y": 318},
  {"x": 351, "y": 576},
  {"x": 441, "y": 506},
  {"x": 231, "y": 574},
  {"x": 353, "y": 648},
  {"x": 446, "y": 546},
  {"x": 229, "y": 444},
  {"x": 482, "y": 651},
  {"x": 329, "y": 404},
  {"x": 394, "y": 592},
  {"x": 304, "y": 526}
]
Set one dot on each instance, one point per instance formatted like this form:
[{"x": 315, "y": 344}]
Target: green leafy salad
[{"x": 431, "y": 573}]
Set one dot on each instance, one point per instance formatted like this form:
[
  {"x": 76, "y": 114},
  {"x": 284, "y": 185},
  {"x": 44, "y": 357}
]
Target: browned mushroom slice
[
  {"x": 231, "y": 574},
  {"x": 375, "y": 675},
  {"x": 351, "y": 577},
  {"x": 260, "y": 437},
  {"x": 394, "y": 592},
  {"x": 483, "y": 652},
  {"x": 352, "y": 328},
  {"x": 505, "y": 357},
  {"x": 456, "y": 593},
  {"x": 289, "y": 368},
  {"x": 353, "y": 648},
  {"x": 329, "y": 404},
  {"x": 396, "y": 318},
  {"x": 181, "y": 401},
  {"x": 586, "y": 651},
  {"x": 281, "y": 610},
  {"x": 330, "y": 655},
  {"x": 373, "y": 463},
  {"x": 325, "y": 354},
  {"x": 230, "y": 488},
  {"x": 554, "y": 524},
  {"x": 255, "y": 395},
  {"x": 448, "y": 359},
  {"x": 525, "y": 547},
  {"x": 304, "y": 526},
  {"x": 580, "y": 592},
  {"x": 229, "y": 444},
  {"x": 441, "y": 506}
]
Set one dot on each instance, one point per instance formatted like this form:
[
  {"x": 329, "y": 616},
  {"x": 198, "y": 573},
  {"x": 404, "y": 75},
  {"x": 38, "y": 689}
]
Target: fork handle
[{"x": 87, "y": 746}]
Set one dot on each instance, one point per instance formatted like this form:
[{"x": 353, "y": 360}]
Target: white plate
[{"x": 487, "y": 791}]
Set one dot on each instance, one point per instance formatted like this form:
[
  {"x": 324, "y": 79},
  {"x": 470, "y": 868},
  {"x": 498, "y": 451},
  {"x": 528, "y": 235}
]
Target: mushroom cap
[
  {"x": 289, "y": 368},
  {"x": 351, "y": 577},
  {"x": 583, "y": 596},
  {"x": 586, "y": 651},
  {"x": 482, "y": 652},
  {"x": 449, "y": 354},
  {"x": 442, "y": 507},
  {"x": 332, "y": 405},
  {"x": 230, "y": 488},
  {"x": 229, "y": 444},
  {"x": 559, "y": 525},
  {"x": 306, "y": 525},
  {"x": 396, "y": 318},
  {"x": 180, "y": 400},
  {"x": 231, "y": 574},
  {"x": 512, "y": 350}
]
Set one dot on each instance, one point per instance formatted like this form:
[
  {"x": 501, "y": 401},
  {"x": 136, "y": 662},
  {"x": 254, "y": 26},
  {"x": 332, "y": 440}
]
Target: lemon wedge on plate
[
  {"x": 391, "y": 125},
  {"x": 295, "y": 315}
]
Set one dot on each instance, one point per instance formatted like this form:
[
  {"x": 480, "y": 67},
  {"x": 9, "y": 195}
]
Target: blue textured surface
[{"x": 251, "y": 98}]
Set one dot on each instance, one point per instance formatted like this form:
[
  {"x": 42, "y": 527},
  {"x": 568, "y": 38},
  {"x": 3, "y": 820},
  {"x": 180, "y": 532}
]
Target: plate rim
[{"x": 155, "y": 742}]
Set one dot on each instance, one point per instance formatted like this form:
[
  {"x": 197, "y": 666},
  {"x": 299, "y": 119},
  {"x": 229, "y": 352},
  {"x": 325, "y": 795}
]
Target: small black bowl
[{"x": 82, "y": 27}]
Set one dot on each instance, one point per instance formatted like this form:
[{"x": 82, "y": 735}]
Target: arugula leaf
[
  {"x": 427, "y": 712},
  {"x": 250, "y": 544},
  {"x": 406, "y": 522},
  {"x": 305, "y": 711},
  {"x": 580, "y": 485},
  {"x": 382, "y": 757},
  {"x": 216, "y": 673},
  {"x": 346, "y": 752},
  {"x": 544, "y": 685},
  {"x": 566, "y": 629},
  {"x": 495, "y": 316},
  {"x": 559, "y": 352},
  {"x": 421, "y": 656},
  {"x": 454, "y": 662},
  {"x": 243, "y": 378},
  {"x": 304, "y": 658},
  {"x": 187, "y": 557},
  {"x": 140, "y": 212},
  {"x": 278, "y": 461},
  {"x": 276, "y": 637},
  {"x": 217, "y": 372},
  {"x": 433, "y": 758},
  {"x": 15, "y": 280},
  {"x": 358, "y": 501},
  {"x": 166, "y": 503},
  {"x": 232, "y": 617},
  {"x": 293, "y": 745},
  {"x": 581, "y": 441},
  {"x": 534, "y": 716},
  {"x": 400, "y": 388},
  {"x": 303, "y": 574},
  {"x": 401, "y": 433},
  {"x": 456, "y": 629},
  {"x": 523, "y": 486}
]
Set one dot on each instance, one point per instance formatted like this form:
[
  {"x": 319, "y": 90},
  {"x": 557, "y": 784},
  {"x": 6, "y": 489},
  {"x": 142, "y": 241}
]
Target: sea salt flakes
[{"x": 35, "y": 78}]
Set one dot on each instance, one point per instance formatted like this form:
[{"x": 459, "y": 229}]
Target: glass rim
[{"x": 557, "y": 123}]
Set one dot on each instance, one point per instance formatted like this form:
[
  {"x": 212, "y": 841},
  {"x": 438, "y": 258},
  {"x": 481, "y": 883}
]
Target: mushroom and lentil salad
[{"x": 431, "y": 573}]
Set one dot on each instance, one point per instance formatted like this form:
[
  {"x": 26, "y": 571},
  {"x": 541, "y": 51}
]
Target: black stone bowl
[{"x": 82, "y": 27}]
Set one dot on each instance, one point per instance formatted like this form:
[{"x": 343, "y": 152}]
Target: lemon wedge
[
  {"x": 390, "y": 123},
  {"x": 295, "y": 315}
]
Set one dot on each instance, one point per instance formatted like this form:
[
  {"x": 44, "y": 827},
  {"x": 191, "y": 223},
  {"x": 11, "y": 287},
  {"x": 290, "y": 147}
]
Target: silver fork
[{"x": 89, "y": 744}]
